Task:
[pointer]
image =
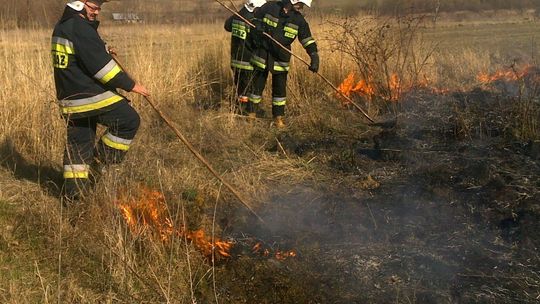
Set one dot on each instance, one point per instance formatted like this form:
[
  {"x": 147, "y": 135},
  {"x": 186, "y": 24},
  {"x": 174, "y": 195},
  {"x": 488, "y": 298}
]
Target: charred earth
[{"x": 442, "y": 208}]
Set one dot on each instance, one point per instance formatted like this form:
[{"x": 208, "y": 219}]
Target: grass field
[{"x": 44, "y": 258}]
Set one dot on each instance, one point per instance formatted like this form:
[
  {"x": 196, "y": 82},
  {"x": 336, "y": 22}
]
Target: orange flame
[
  {"x": 279, "y": 255},
  {"x": 364, "y": 88},
  {"x": 256, "y": 248},
  {"x": 509, "y": 74},
  {"x": 395, "y": 87},
  {"x": 282, "y": 255},
  {"x": 204, "y": 244},
  {"x": 367, "y": 88},
  {"x": 148, "y": 213},
  {"x": 347, "y": 87}
]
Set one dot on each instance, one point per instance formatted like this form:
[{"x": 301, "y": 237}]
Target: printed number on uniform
[
  {"x": 289, "y": 35},
  {"x": 239, "y": 33},
  {"x": 60, "y": 60}
]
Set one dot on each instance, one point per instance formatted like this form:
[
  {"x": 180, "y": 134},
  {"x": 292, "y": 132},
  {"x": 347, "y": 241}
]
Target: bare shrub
[
  {"x": 527, "y": 106},
  {"x": 389, "y": 53}
]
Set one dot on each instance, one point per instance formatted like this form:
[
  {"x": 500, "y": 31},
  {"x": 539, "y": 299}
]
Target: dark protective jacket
[
  {"x": 85, "y": 74},
  {"x": 284, "y": 28},
  {"x": 240, "y": 43}
]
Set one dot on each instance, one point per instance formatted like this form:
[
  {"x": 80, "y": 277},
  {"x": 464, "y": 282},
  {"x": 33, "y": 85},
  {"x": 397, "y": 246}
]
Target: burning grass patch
[{"x": 146, "y": 213}]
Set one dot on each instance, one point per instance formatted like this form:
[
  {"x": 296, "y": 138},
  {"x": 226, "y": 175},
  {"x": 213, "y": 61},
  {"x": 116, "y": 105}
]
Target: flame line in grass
[{"x": 148, "y": 214}]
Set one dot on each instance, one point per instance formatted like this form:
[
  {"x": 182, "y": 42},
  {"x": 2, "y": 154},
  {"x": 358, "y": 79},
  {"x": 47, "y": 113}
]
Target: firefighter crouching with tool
[
  {"x": 86, "y": 78},
  {"x": 241, "y": 50},
  {"x": 284, "y": 22}
]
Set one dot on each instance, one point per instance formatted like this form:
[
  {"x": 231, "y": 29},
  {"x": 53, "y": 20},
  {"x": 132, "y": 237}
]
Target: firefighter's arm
[
  {"x": 309, "y": 44},
  {"x": 93, "y": 56},
  {"x": 228, "y": 24},
  {"x": 307, "y": 41},
  {"x": 138, "y": 88}
]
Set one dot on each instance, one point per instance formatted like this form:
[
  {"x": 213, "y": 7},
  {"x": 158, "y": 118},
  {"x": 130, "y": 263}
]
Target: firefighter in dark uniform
[
  {"x": 284, "y": 22},
  {"x": 241, "y": 50},
  {"x": 86, "y": 78}
]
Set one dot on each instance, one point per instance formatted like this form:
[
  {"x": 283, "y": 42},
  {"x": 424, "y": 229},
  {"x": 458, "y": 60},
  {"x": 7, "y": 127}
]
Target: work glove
[{"x": 314, "y": 65}]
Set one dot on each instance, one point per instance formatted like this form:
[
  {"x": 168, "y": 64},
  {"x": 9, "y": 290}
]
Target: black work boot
[
  {"x": 74, "y": 191},
  {"x": 73, "y": 195}
]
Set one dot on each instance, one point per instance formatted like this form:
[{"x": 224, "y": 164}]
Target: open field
[{"x": 442, "y": 208}]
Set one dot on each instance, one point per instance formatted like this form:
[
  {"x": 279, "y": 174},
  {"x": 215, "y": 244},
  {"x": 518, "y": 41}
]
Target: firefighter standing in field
[
  {"x": 241, "y": 50},
  {"x": 284, "y": 22},
  {"x": 86, "y": 78}
]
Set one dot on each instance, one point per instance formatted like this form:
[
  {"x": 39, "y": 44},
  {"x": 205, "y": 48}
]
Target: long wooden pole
[
  {"x": 302, "y": 60},
  {"x": 192, "y": 149}
]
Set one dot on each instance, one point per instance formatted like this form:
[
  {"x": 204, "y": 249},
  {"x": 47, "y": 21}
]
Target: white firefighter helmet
[
  {"x": 251, "y": 5},
  {"x": 79, "y": 5},
  {"x": 76, "y": 5},
  {"x": 306, "y": 2}
]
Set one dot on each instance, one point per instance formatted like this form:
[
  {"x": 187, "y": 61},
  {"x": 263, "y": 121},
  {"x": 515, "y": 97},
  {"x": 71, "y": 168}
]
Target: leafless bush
[
  {"x": 389, "y": 53},
  {"x": 527, "y": 106}
]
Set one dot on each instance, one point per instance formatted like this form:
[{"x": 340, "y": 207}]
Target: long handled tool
[
  {"x": 302, "y": 60},
  {"x": 193, "y": 150}
]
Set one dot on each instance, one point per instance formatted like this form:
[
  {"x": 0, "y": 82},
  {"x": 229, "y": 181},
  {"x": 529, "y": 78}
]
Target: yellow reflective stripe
[
  {"x": 114, "y": 144},
  {"x": 307, "y": 42},
  {"x": 289, "y": 35},
  {"x": 62, "y": 45},
  {"x": 281, "y": 66},
  {"x": 76, "y": 174},
  {"x": 279, "y": 101},
  {"x": 255, "y": 98},
  {"x": 290, "y": 30},
  {"x": 62, "y": 48},
  {"x": 241, "y": 65},
  {"x": 239, "y": 30},
  {"x": 111, "y": 74},
  {"x": 258, "y": 62},
  {"x": 108, "y": 72},
  {"x": 292, "y": 26},
  {"x": 76, "y": 171},
  {"x": 92, "y": 106},
  {"x": 270, "y": 20}
]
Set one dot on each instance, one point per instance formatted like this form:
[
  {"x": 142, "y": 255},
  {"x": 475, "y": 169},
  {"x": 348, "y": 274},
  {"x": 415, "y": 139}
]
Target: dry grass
[{"x": 48, "y": 260}]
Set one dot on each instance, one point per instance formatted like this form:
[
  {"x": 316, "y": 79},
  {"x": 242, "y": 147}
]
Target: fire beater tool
[
  {"x": 193, "y": 150},
  {"x": 385, "y": 124}
]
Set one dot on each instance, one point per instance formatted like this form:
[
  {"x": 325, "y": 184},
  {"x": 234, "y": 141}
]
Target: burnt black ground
[{"x": 455, "y": 219}]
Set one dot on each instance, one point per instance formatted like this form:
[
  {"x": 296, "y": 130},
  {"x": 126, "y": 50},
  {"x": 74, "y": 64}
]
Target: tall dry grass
[{"x": 99, "y": 260}]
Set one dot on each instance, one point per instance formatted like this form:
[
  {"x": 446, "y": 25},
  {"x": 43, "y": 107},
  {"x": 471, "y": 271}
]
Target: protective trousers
[
  {"x": 279, "y": 91},
  {"x": 81, "y": 151},
  {"x": 242, "y": 83}
]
